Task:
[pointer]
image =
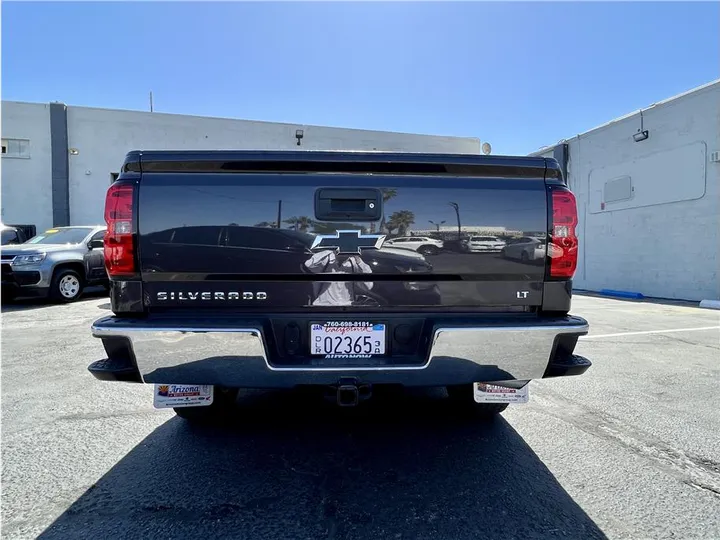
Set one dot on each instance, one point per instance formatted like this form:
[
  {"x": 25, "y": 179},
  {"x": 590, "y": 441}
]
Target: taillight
[
  {"x": 119, "y": 238},
  {"x": 563, "y": 248}
]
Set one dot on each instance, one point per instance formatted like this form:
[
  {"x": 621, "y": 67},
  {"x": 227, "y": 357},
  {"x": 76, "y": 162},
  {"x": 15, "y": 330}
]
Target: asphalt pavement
[{"x": 631, "y": 449}]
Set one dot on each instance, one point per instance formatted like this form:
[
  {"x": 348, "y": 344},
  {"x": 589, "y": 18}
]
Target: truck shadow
[{"x": 291, "y": 466}]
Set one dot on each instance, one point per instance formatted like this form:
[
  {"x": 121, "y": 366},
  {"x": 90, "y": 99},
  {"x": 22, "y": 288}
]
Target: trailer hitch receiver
[{"x": 349, "y": 393}]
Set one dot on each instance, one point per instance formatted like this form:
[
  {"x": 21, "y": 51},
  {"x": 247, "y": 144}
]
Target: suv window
[
  {"x": 98, "y": 236},
  {"x": 258, "y": 238},
  {"x": 10, "y": 236},
  {"x": 63, "y": 235},
  {"x": 202, "y": 236}
]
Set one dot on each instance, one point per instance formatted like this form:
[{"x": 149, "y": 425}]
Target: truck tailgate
[{"x": 253, "y": 240}]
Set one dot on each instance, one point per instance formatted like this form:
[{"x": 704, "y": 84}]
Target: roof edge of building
[
  {"x": 287, "y": 124},
  {"x": 667, "y": 101}
]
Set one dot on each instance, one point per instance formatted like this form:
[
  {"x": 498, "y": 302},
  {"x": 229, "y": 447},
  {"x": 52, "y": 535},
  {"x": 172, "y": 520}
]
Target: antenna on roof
[{"x": 151, "y": 103}]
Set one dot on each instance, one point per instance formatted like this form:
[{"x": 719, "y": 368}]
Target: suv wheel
[
  {"x": 66, "y": 286},
  {"x": 462, "y": 396},
  {"x": 220, "y": 410},
  {"x": 428, "y": 250}
]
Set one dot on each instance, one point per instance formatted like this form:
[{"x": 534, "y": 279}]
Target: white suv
[
  {"x": 477, "y": 244},
  {"x": 422, "y": 244},
  {"x": 527, "y": 248}
]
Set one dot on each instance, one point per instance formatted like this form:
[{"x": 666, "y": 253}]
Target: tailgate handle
[{"x": 351, "y": 204}]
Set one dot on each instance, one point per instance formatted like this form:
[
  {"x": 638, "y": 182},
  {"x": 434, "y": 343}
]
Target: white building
[
  {"x": 648, "y": 191},
  {"x": 58, "y": 160}
]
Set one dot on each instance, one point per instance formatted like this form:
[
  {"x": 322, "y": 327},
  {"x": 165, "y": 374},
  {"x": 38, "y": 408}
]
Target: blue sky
[{"x": 519, "y": 75}]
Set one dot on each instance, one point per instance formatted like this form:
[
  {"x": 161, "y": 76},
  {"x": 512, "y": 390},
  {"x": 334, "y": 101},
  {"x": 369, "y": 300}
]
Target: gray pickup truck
[
  {"x": 57, "y": 264},
  {"x": 244, "y": 269}
]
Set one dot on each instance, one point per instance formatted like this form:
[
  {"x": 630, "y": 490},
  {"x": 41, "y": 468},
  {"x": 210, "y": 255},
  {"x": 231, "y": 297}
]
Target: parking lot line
[{"x": 668, "y": 331}]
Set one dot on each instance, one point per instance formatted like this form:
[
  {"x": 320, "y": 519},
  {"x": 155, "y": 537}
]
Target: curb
[
  {"x": 622, "y": 294},
  {"x": 710, "y": 304}
]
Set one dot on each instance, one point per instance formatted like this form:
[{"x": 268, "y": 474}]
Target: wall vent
[
  {"x": 16, "y": 148},
  {"x": 618, "y": 189}
]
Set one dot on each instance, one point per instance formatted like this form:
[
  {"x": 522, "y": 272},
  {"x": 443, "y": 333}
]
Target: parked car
[
  {"x": 11, "y": 235},
  {"x": 205, "y": 303},
  {"x": 288, "y": 251},
  {"x": 525, "y": 249},
  {"x": 455, "y": 245},
  {"x": 422, "y": 244},
  {"x": 57, "y": 264},
  {"x": 480, "y": 244}
]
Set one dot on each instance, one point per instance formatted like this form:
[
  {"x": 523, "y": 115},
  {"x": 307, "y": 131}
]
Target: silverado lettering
[
  {"x": 233, "y": 295},
  {"x": 302, "y": 277}
]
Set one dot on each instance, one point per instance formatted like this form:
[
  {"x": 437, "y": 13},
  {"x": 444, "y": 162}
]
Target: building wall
[
  {"x": 649, "y": 210},
  {"x": 103, "y": 137},
  {"x": 26, "y": 196}
]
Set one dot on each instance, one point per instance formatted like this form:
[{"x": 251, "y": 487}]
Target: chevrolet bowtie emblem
[{"x": 348, "y": 242}]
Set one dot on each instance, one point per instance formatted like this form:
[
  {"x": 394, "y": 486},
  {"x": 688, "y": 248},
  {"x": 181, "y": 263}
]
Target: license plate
[
  {"x": 182, "y": 395},
  {"x": 491, "y": 393},
  {"x": 347, "y": 339}
]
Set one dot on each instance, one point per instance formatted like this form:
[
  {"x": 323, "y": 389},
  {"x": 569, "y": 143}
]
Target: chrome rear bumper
[{"x": 200, "y": 353}]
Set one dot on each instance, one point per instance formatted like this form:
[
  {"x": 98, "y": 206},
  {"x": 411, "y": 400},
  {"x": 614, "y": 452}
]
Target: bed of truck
[{"x": 256, "y": 269}]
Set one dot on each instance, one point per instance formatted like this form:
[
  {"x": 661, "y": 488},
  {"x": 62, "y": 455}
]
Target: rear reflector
[
  {"x": 563, "y": 248},
  {"x": 119, "y": 238}
]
